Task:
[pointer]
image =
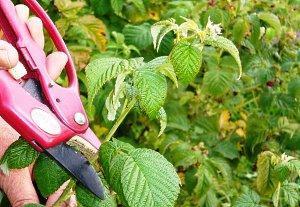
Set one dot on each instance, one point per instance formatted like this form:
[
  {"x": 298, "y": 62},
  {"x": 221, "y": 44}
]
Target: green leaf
[
  {"x": 181, "y": 154},
  {"x": 117, "y": 6},
  {"x": 152, "y": 90},
  {"x": 222, "y": 167},
  {"x": 139, "y": 4},
  {"x": 282, "y": 171},
  {"x": 294, "y": 166},
  {"x": 248, "y": 199},
  {"x": 49, "y": 176},
  {"x": 113, "y": 100},
  {"x": 69, "y": 8},
  {"x": 149, "y": 179},
  {"x": 209, "y": 199},
  {"x": 86, "y": 199},
  {"x": 179, "y": 120},
  {"x": 204, "y": 180},
  {"x": 186, "y": 59},
  {"x": 227, "y": 45},
  {"x": 138, "y": 35},
  {"x": 162, "y": 117},
  {"x": 227, "y": 149},
  {"x": 272, "y": 20},
  {"x": 109, "y": 150},
  {"x": 141, "y": 177},
  {"x": 168, "y": 70},
  {"x": 190, "y": 180},
  {"x": 217, "y": 82},
  {"x": 100, "y": 7},
  {"x": 155, "y": 63},
  {"x": 160, "y": 29},
  {"x": 102, "y": 70},
  {"x": 291, "y": 193},
  {"x": 135, "y": 63},
  {"x": 33, "y": 205},
  {"x": 255, "y": 30},
  {"x": 19, "y": 155},
  {"x": 115, "y": 175},
  {"x": 45, "y": 3},
  {"x": 166, "y": 44},
  {"x": 294, "y": 88},
  {"x": 239, "y": 30},
  {"x": 217, "y": 15},
  {"x": 205, "y": 188},
  {"x": 276, "y": 195}
]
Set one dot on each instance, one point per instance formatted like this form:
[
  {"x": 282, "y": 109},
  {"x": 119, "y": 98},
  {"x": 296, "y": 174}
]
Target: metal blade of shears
[
  {"x": 66, "y": 156},
  {"x": 78, "y": 166}
]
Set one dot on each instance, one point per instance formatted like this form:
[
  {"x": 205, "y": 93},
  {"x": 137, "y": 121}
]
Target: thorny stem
[
  {"x": 126, "y": 109},
  {"x": 66, "y": 194}
]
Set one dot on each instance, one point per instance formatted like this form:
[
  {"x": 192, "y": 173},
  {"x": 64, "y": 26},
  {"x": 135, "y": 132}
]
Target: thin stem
[
  {"x": 66, "y": 194},
  {"x": 251, "y": 88},
  {"x": 246, "y": 103},
  {"x": 126, "y": 109}
]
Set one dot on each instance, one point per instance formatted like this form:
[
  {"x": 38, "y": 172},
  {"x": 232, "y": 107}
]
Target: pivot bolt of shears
[{"x": 79, "y": 118}]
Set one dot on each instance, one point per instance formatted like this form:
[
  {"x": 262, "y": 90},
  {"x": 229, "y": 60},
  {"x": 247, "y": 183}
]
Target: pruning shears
[{"x": 45, "y": 114}]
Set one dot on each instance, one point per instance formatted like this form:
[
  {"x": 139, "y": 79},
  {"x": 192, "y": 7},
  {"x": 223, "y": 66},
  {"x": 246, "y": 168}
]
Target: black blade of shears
[{"x": 66, "y": 156}]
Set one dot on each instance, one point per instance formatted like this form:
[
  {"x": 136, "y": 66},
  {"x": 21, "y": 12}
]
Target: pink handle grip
[
  {"x": 17, "y": 103},
  {"x": 56, "y": 38},
  {"x": 16, "y": 106}
]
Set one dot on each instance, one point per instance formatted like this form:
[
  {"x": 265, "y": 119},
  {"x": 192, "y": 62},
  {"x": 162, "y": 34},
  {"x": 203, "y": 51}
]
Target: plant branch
[
  {"x": 126, "y": 109},
  {"x": 66, "y": 194}
]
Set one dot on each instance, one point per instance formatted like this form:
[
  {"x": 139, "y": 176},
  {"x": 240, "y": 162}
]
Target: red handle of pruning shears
[{"x": 62, "y": 109}]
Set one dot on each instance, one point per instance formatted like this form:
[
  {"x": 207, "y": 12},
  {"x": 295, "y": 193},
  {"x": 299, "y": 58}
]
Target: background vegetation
[{"x": 234, "y": 142}]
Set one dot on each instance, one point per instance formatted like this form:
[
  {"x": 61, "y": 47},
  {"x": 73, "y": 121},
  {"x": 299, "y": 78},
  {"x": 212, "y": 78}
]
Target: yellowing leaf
[
  {"x": 224, "y": 118},
  {"x": 154, "y": 15},
  {"x": 81, "y": 55},
  {"x": 241, "y": 123},
  {"x": 224, "y": 122},
  {"x": 95, "y": 30},
  {"x": 240, "y": 132},
  {"x": 62, "y": 25},
  {"x": 69, "y": 8},
  {"x": 265, "y": 163},
  {"x": 244, "y": 116},
  {"x": 100, "y": 130}
]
